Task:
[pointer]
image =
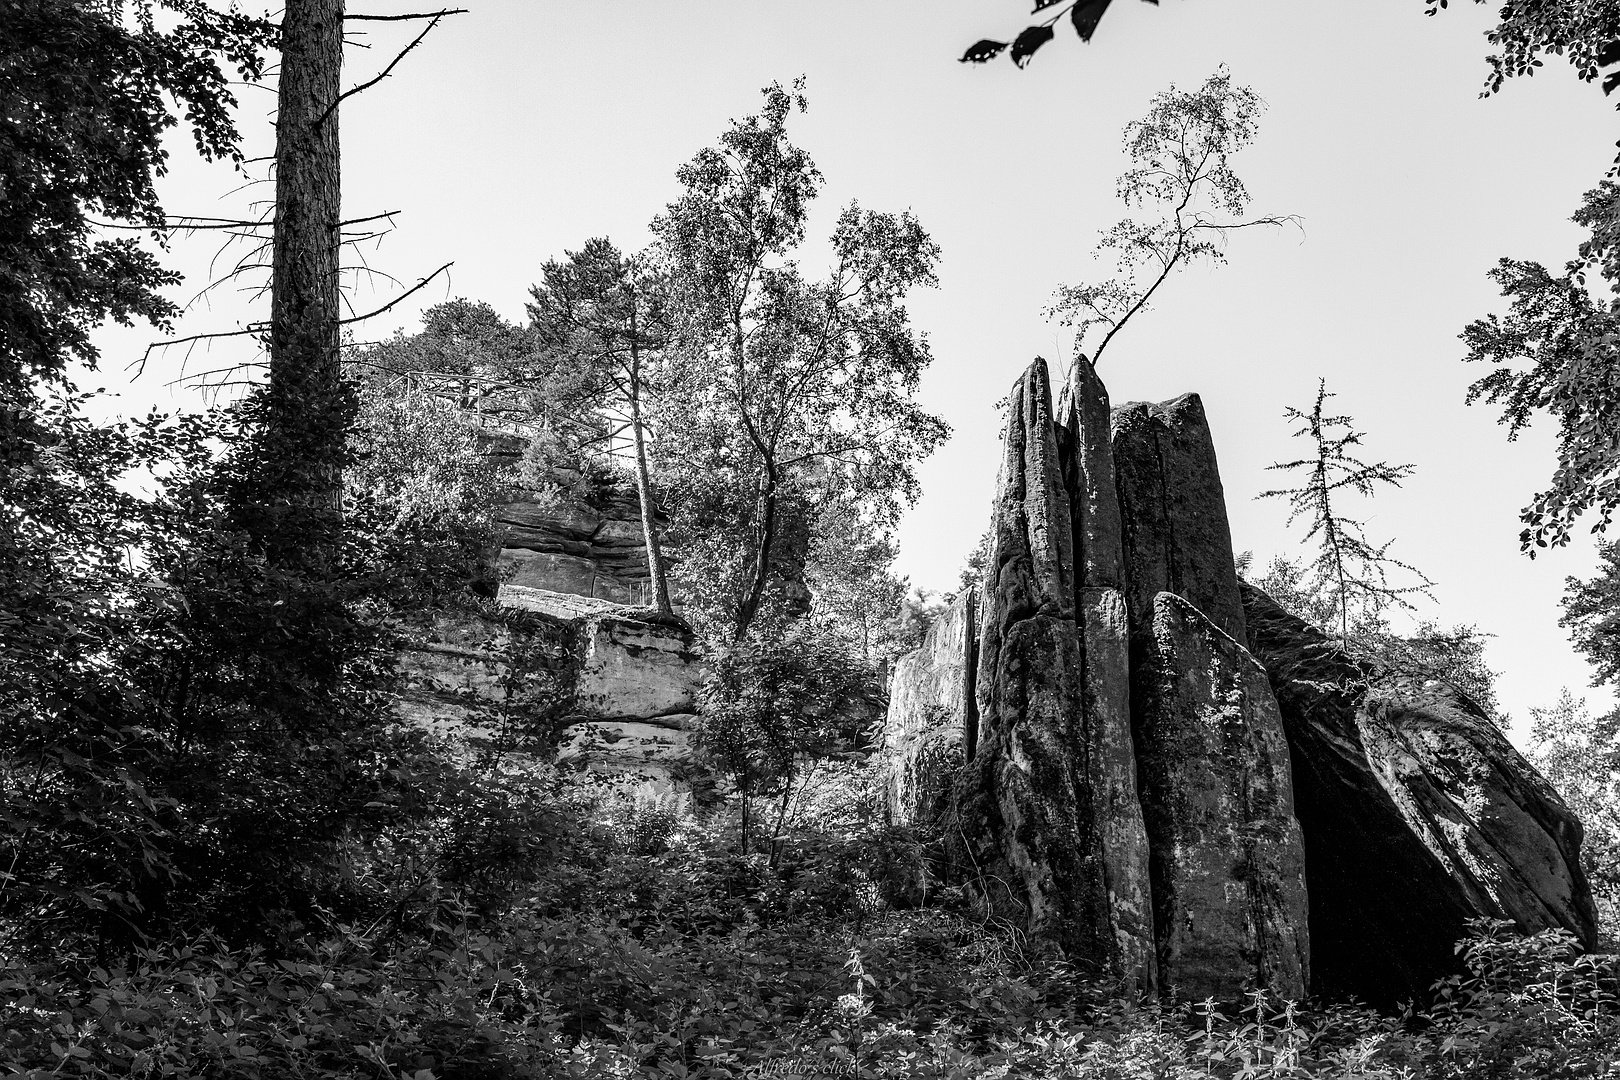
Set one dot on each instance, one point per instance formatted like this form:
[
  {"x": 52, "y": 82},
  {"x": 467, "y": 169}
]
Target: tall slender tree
[
  {"x": 1349, "y": 570},
  {"x": 306, "y": 410},
  {"x": 784, "y": 388},
  {"x": 603, "y": 322}
]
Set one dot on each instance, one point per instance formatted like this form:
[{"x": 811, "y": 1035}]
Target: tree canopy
[{"x": 784, "y": 392}]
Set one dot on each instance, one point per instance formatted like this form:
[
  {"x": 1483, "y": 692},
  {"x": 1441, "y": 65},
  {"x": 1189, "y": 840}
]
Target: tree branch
[
  {"x": 330, "y": 109},
  {"x": 414, "y": 288},
  {"x": 403, "y": 18}
]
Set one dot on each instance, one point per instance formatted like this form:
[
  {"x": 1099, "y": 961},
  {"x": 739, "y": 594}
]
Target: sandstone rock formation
[
  {"x": 608, "y": 689},
  {"x": 1173, "y": 510},
  {"x": 1217, "y": 794},
  {"x": 930, "y": 707},
  {"x": 1418, "y": 816},
  {"x": 1300, "y": 823},
  {"x": 596, "y": 549},
  {"x": 1048, "y": 779},
  {"x": 592, "y": 545}
]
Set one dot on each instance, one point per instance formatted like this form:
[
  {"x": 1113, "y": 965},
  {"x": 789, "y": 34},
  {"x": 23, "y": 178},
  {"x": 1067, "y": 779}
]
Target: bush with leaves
[{"x": 769, "y": 702}]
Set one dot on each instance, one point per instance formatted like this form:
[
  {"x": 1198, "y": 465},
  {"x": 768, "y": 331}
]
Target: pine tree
[{"x": 1349, "y": 569}]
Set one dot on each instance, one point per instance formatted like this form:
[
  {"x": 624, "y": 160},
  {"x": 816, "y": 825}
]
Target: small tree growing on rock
[
  {"x": 1351, "y": 572},
  {"x": 1181, "y": 162}
]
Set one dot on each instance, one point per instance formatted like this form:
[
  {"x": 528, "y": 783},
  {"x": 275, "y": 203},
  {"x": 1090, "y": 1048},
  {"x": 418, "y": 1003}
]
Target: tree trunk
[
  {"x": 749, "y": 608},
  {"x": 649, "y": 523},
  {"x": 307, "y": 411}
]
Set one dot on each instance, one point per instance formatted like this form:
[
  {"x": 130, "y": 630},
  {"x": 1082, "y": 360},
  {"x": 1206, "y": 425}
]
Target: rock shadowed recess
[
  {"x": 930, "y": 708},
  {"x": 1418, "y": 815},
  {"x": 1228, "y": 856}
]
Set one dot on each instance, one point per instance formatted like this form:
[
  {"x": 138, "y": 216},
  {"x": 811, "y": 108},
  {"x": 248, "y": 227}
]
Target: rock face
[
  {"x": 1174, "y": 781},
  {"x": 1175, "y": 532},
  {"x": 1217, "y": 793},
  {"x": 593, "y": 546},
  {"x": 930, "y": 709},
  {"x": 1048, "y": 780},
  {"x": 548, "y": 672},
  {"x": 1418, "y": 816},
  {"x": 1024, "y": 814},
  {"x": 594, "y": 550}
]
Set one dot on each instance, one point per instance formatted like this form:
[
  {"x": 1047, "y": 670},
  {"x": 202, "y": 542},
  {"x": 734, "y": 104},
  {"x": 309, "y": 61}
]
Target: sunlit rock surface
[
  {"x": 1228, "y": 855},
  {"x": 1045, "y": 804},
  {"x": 604, "y": 688},
  {"x": 930, "y": 707}
]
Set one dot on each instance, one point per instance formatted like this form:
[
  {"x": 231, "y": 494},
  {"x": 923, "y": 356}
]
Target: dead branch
[
  {"x": 414, "y": 288},
  {"x": 413, "y": 15},
  {"x": 368, "y": 84}
]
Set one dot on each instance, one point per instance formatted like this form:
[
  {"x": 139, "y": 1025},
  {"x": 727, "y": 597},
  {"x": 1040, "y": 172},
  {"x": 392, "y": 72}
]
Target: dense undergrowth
[{"x": 631, "y": 939}]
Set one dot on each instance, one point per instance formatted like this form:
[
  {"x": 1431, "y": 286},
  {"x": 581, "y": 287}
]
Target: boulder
[
  {"x": 1228, "y": 857},
  {"x": 1175, "y": 781},
  {"x": 1418, "y": 815},
  {"x": 632, "y": 668},
  {"x": 930, "y": 709}
]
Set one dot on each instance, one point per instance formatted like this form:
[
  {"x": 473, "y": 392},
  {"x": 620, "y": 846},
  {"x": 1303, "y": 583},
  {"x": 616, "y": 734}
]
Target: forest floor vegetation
[{"x": 635, "y": 940}]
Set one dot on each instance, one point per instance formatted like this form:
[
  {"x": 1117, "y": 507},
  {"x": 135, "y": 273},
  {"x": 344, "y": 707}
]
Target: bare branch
[
  {"x": 414, "y": 288},
  {"x": 330, "y": 109},
  {"x": 403, "y": 18},
  {"x": 140, "y": 365}
]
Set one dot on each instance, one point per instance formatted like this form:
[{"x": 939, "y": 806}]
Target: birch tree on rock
[
  {"x": 784, "y": 392},
  {"x": 1180, "y": 164}
]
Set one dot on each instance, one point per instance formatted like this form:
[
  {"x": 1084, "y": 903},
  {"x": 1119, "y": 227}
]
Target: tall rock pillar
[
  {"x": 1084, "y": 425},
  {"x": 1025, "y": 815},
  {"x": 1228, "y": 856}
]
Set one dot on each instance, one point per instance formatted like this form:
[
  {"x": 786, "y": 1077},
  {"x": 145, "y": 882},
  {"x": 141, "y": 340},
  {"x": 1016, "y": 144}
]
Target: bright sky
[{"x": 523, "y": 128}]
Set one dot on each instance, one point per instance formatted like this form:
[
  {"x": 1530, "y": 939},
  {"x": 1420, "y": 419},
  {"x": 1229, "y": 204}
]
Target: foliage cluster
[
  {"x": 655, "y": 949},
  {"x": 1181, "y": 164}
]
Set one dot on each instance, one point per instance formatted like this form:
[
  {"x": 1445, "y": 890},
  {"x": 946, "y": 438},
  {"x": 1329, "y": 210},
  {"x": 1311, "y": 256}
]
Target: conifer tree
[{"x": 1349, "y": 569}]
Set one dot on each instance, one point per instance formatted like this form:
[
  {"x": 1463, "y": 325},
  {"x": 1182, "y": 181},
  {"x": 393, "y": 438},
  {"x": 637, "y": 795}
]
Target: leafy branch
[{"x": 1181, "y": 159}]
